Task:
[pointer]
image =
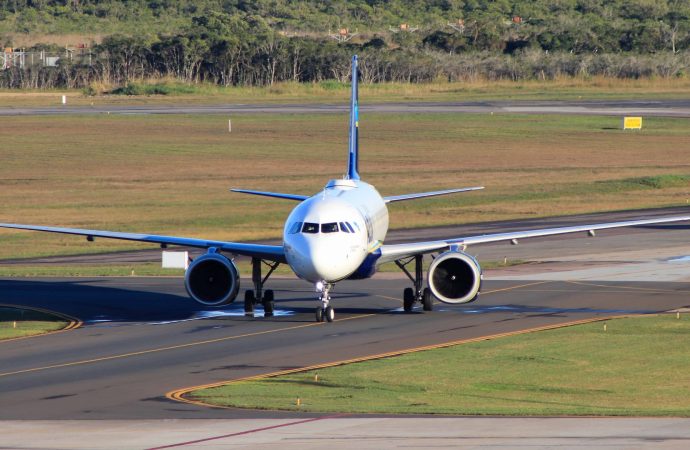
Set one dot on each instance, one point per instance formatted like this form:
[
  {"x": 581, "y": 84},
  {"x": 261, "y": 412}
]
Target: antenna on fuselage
[{"x": 353, "y": 161}]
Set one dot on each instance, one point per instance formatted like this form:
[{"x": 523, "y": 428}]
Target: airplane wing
[
  {"x": 398, "y": 198},
  {"x": 268, "y": 252},
  {"x": 394, "y": 252},
  {"x": 299, "y": 198}
]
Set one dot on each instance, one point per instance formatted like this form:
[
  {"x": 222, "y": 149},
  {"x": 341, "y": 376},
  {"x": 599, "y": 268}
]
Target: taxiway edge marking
[
  {"x": 73, "y": 322},
  {"x": 179, "y": 394}
]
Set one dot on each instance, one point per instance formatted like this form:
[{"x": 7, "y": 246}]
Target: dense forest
[{"x": 260, "y": 42}]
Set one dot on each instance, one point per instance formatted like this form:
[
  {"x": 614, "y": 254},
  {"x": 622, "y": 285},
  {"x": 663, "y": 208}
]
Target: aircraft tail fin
[{"x": 353, "y": 161}]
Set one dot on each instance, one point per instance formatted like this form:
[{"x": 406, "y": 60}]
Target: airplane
[{"x": 339, "y": 234}]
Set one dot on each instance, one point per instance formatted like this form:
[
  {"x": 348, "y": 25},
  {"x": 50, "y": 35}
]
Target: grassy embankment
[
  {"x": 17, "y": 322},
  {"x": 170, "y": 174},
  {"x": 165, "y": 92},
  {"x": 637, "y": 367}
]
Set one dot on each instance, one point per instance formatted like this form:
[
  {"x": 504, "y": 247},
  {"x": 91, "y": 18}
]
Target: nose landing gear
[{"x": 325, "y": 311}]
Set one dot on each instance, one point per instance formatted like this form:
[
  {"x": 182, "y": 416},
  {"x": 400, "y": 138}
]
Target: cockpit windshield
[
  {"x": 329, "y": 227},
  {"x": 313, "y": 228},
  {"x": 310, "y": 228}
]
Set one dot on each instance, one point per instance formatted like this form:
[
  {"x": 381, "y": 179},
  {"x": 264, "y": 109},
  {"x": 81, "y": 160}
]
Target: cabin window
[
  {"x": 329, "y": 227},
  {"x": 295, "y": 228},
  {"x": 310, "y": 228}
]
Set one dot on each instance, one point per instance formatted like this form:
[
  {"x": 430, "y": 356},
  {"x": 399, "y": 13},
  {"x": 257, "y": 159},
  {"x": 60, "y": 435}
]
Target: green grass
[
  {"x": 84, "y": 270},
  {"x": 638, "y": 367},
  {"x": 154, "y": 269},
  {"x": 17, "y": 322}
]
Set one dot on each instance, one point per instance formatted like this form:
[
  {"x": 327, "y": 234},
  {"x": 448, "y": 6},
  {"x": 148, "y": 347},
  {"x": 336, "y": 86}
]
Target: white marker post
[
  {"x": 64, "y": 99},
  {"x": 229, "y": 126}
]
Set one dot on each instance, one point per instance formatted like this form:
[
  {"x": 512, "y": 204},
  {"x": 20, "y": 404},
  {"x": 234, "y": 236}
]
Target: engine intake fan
[
  {"x": 455, "y": 277},
  {"x": 212, "y": 280}
]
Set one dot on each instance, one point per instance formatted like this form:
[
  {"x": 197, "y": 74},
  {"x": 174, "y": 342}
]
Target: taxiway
[{"x": 143, "y": 337}]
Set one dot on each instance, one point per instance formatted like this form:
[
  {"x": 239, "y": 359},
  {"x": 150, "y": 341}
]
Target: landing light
[{"x": 319, "y": 286}]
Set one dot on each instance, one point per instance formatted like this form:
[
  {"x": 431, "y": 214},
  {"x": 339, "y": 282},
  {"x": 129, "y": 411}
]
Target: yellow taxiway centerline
[{"x": 174, "y": 347}]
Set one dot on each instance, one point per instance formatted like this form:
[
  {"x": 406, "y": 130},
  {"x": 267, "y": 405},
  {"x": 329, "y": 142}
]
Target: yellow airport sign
[{"x": 632, "y": 123}]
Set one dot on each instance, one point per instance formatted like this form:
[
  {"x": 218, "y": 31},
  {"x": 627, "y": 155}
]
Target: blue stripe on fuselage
[{"x": 368, "y": 267}]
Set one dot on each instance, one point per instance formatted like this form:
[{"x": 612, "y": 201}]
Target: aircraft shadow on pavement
[{"x": 91, "y": 303}]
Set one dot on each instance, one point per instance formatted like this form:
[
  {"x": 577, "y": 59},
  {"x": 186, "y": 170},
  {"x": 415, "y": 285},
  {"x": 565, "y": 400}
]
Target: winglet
[{"x": 353, "y": 161}]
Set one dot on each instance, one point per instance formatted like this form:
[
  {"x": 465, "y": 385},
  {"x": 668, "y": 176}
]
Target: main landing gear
[
  {"x": 258, "y": 295},
  {"x": 419, "y": 293},
  {"x": 325, "y": 311}
]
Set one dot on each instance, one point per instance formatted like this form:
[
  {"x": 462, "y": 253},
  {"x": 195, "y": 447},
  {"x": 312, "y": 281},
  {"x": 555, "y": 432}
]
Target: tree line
[{"x": 241, "y": 42}]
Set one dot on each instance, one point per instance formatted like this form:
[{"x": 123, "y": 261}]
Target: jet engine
[
  {"x": 212, "y": 280},
  {"x": 455, "y": 277}
]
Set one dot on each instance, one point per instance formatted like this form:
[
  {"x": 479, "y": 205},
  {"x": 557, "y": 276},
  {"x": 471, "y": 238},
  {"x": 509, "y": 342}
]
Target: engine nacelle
[
  {"x": 455, "y": 277},
  {"x": 212, "y": 280}
]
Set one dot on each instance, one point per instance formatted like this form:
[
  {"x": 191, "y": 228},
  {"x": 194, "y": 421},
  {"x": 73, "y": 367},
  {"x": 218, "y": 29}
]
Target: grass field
[
  {"x": 594, "y": 88},
  {"x": 15, "y": 322},
  {"x": 171, "y": 174},
  {"x": 638, "y": 367}
]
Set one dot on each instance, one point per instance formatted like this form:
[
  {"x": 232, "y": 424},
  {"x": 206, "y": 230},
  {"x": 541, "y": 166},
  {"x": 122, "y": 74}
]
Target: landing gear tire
[
  {"x": 319, "y": 314},
  {"x": 427, "y": 300},
  {"x": 268, "y": 303},
  {"x": 408, "y": 299},
  {"x": 329, "y": 313},
  {"x": 249, "y": 300}
]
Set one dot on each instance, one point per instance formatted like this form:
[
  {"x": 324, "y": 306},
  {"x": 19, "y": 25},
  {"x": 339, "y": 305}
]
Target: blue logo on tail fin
[{"x": 353, "y": 161}]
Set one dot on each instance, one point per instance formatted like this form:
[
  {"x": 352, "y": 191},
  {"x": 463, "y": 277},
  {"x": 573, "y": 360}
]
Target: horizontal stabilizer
[
  {"x": 299, "y": 198},
  {"x": 398, "y": 198}
]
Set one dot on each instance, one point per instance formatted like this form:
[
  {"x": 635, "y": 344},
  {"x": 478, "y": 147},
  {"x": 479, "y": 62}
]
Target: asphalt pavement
[{"x": 665, "y": 108}]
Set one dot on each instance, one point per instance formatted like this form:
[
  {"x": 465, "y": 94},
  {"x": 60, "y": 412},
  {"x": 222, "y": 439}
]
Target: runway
[{"x": 660, "y": 108}]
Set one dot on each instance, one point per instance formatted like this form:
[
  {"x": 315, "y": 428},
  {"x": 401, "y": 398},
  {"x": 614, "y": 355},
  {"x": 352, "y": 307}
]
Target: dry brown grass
[
  {"x": 170, "y": 174},
  {"x": 565, "y": 88},
  {"x": 23, "y": 40}
]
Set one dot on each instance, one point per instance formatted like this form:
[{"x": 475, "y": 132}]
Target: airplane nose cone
[
  {"x": 319, "y": 259},
  {"x": 328, "y": 264}
]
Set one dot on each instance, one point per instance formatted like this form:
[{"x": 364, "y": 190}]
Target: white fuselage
[{"x": 329, "y": 236}]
